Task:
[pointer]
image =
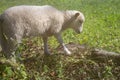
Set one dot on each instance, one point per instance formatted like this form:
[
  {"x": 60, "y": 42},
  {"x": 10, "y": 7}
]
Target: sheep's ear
[{"x": 77, "y": 14}]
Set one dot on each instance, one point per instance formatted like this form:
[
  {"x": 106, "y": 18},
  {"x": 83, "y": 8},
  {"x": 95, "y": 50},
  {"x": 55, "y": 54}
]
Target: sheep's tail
[{"x": 1, "y": 33}]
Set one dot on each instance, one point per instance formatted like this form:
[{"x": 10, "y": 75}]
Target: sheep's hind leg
[{"x": 8, "y": 50}]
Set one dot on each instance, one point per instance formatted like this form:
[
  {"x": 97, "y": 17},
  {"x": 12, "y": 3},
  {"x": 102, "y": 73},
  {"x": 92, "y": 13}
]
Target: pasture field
[{"x": 101, "y": 30}]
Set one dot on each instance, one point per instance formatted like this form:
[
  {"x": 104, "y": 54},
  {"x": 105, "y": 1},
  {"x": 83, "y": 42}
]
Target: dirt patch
[{"x": 85, "y": 61}]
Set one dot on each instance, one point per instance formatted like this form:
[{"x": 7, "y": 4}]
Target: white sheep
[{"x": 24, "y": 21}]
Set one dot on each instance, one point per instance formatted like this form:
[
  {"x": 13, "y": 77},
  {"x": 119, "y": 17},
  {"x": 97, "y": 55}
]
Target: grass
[{"x": 101, "y": 30}]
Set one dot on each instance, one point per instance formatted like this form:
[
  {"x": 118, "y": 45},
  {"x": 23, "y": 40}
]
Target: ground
[{"x": 83, "y": 64}]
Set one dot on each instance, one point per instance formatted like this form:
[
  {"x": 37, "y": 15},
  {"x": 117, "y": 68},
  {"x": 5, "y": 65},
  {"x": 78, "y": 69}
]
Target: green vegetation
[{"x": 101, "y": 30}]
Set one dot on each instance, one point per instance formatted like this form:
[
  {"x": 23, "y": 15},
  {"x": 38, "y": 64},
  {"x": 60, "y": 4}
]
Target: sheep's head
[{"x": 77, "y": 24}]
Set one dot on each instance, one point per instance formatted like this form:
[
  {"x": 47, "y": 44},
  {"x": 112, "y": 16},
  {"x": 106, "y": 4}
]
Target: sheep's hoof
[{"x": 68, "y": 53}]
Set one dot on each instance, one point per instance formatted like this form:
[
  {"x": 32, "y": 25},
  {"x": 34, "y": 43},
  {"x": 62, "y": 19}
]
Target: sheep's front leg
[
  {"x": 59, "y": 38},
  {"x": 46, "y": 51}
]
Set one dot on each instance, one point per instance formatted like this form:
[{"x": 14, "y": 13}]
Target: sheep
[{"x": 26, "y": 21}]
